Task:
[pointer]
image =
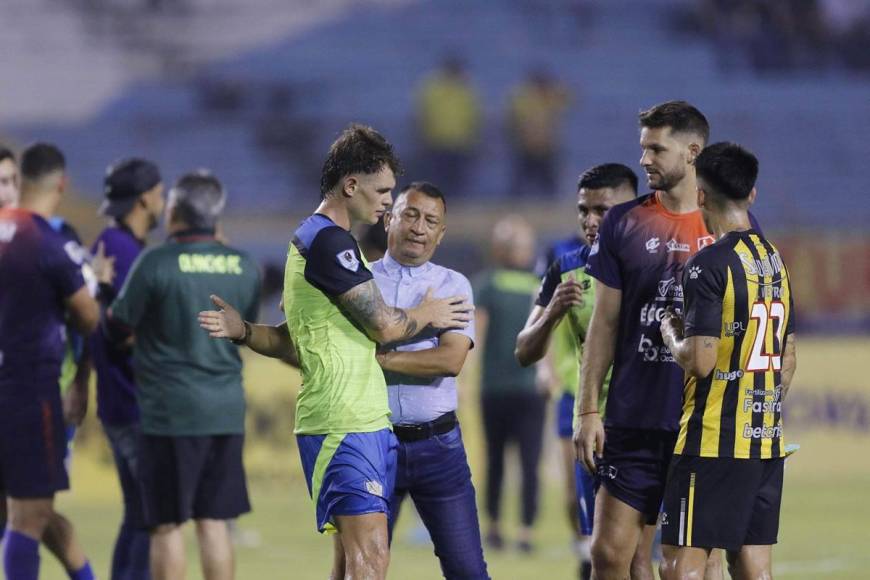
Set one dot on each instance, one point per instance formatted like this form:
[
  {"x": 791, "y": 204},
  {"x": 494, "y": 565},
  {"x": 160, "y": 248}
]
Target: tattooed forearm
[
  {"x": 708, "y": 343},
  {"x": 382, "y": 323},
  {"x": 405, "y": 322}
]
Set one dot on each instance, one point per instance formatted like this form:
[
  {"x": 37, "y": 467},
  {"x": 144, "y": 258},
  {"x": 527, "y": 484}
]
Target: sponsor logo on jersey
[
  {"x": 653, "y": 352},
  {"x": 750, "y": 432},
  {"x": 675, "y": 246},
  {"x": 694, "y": 272},
  {"x": 670, "y": 289},
  {"x": 652, "y": 245},
  {"x": 705, "y": 241},
  {"x": 375, "y": 488},
  {"x": 733, "y": 328},
  {"x": 728, "y": 375}
]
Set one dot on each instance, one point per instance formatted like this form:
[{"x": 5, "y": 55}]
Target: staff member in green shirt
[{"x": 189, "y": 387}]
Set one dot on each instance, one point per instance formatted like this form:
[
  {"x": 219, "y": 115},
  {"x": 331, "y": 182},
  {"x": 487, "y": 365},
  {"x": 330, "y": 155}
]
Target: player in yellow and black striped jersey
[{"x": 735, "y": 341}]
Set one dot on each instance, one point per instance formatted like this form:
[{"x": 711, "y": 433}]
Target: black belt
[{"x": 441, "y": 425}]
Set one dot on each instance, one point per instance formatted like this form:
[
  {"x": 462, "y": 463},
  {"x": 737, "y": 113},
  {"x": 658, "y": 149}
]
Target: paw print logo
[{"x": 694, "y": 272}]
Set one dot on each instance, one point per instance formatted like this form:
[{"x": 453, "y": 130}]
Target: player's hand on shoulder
[
  {"x": 452, "y": 312},
  {"x": 223, "y": 323},
  {"x": 589, "y": 440}
]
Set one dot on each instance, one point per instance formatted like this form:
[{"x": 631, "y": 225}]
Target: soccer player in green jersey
[
  {"x": 336, "y": 317},
  {"x": 556, "y": 330}
]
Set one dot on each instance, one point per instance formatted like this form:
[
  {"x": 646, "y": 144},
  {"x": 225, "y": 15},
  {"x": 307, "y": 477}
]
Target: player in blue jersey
[
  {"x": 49, "y": 294},
  {"x": 556, "y": 337}
]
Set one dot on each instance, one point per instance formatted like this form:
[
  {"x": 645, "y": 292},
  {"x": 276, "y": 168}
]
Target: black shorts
[
  {"x": 199, "y": 477},
  {"x": 635, "y": 467},
  {"x": 721, "y": 502},
  {"x": 33, "y": 446}
]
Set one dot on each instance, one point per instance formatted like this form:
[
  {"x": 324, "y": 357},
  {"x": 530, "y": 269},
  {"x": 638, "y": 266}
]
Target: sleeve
[
  {"x": 604, "y": 264},
  {"x": 548, "y": 286},
  {"x": 132, "y": 302},
  {"x": 544, "y": 260},
  {"x": 62, "y": 263},
  {"x": 703, "y": 291},
  {"x": 334, "y": 264},
  {"x": 460, "y": 286}
]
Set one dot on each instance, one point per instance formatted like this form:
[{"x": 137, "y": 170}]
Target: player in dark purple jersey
[
  {"x": 134, "y": 202},
  {"x": 47, "y": 292},
  {"x": 637, "y": 263}
]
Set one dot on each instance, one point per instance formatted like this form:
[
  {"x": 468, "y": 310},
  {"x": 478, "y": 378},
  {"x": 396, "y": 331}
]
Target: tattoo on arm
[
  {"x": 708, "y": 343},
  {"x": 366, "y": 306}
]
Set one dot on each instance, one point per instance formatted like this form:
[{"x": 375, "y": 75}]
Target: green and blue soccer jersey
[
  {"x": 343, "y": 387},
  {"x": 570, "y": 335}
]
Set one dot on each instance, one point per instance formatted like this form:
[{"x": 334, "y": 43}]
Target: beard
[{"x": 666, "y": 181}]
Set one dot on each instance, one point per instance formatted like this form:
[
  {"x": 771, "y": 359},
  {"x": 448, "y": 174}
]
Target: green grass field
[{"x": 824, "y": 517}]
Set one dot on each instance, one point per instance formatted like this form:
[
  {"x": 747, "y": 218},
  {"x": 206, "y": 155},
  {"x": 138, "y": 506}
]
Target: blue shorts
[
  {"x": 565, "y": 416},
  {"x": 635, "y": 467},
  {"x": 586, "y": 488},
  {"x": 33, "y": 445},
  {"x": 349, "y": 474}
]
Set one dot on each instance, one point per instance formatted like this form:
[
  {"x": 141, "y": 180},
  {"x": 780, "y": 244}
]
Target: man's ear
[
  {"x": 694, "y": 150},
  {"x": 701, "y": 197},
  {"x": 388, "y": 217},
  {"x": 349, "y": 185},
  {"x": 441, "y": 235},
  {"x": 752, "y": 195}
]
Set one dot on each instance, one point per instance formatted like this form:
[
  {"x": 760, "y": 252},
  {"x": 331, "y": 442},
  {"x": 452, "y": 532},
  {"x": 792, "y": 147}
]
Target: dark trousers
[
  {"x": 130, "y": 556},
  {"x": 435, "y": 473},
  {"x": 513, "y": 417}
]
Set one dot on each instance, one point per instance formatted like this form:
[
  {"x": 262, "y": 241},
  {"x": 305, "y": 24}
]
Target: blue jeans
[
  {"x": 130, "y": 556},
  {"x": 435, "y": 473}
]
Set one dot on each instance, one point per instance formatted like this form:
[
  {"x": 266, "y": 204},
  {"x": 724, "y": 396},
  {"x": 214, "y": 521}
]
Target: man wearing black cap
[{"x": 134, "y": 202}]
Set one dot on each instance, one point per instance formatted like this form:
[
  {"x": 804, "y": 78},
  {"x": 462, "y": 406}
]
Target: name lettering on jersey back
[
  {"x": 210, "y": 264},
  {"x": 7, "y": 231},
  {"x": 766, "y": 266}
]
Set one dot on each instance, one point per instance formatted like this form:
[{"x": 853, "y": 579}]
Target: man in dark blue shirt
[{"x": 134, "y": 202}]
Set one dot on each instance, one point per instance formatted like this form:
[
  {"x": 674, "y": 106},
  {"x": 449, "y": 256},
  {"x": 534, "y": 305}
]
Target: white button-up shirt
[{"x": 415, "y": 400}]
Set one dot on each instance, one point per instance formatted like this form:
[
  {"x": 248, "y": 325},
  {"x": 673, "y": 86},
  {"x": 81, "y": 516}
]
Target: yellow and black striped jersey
[{"x": 738, "y": 291}]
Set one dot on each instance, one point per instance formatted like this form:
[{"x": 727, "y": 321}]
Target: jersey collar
[{"x": 193, "y": 235}]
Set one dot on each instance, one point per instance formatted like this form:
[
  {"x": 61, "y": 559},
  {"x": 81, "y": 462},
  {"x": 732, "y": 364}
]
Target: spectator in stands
[
  {"x": 513, "y": 407},
  {"x": 448, "y": 124},
  {"x": 535, "y": 117}
]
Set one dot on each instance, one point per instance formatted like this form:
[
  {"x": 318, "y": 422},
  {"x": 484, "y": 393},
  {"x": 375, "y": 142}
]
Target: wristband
[
  {"x": 244, "y": 338},
  {"x": 587, "y": 413}
]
